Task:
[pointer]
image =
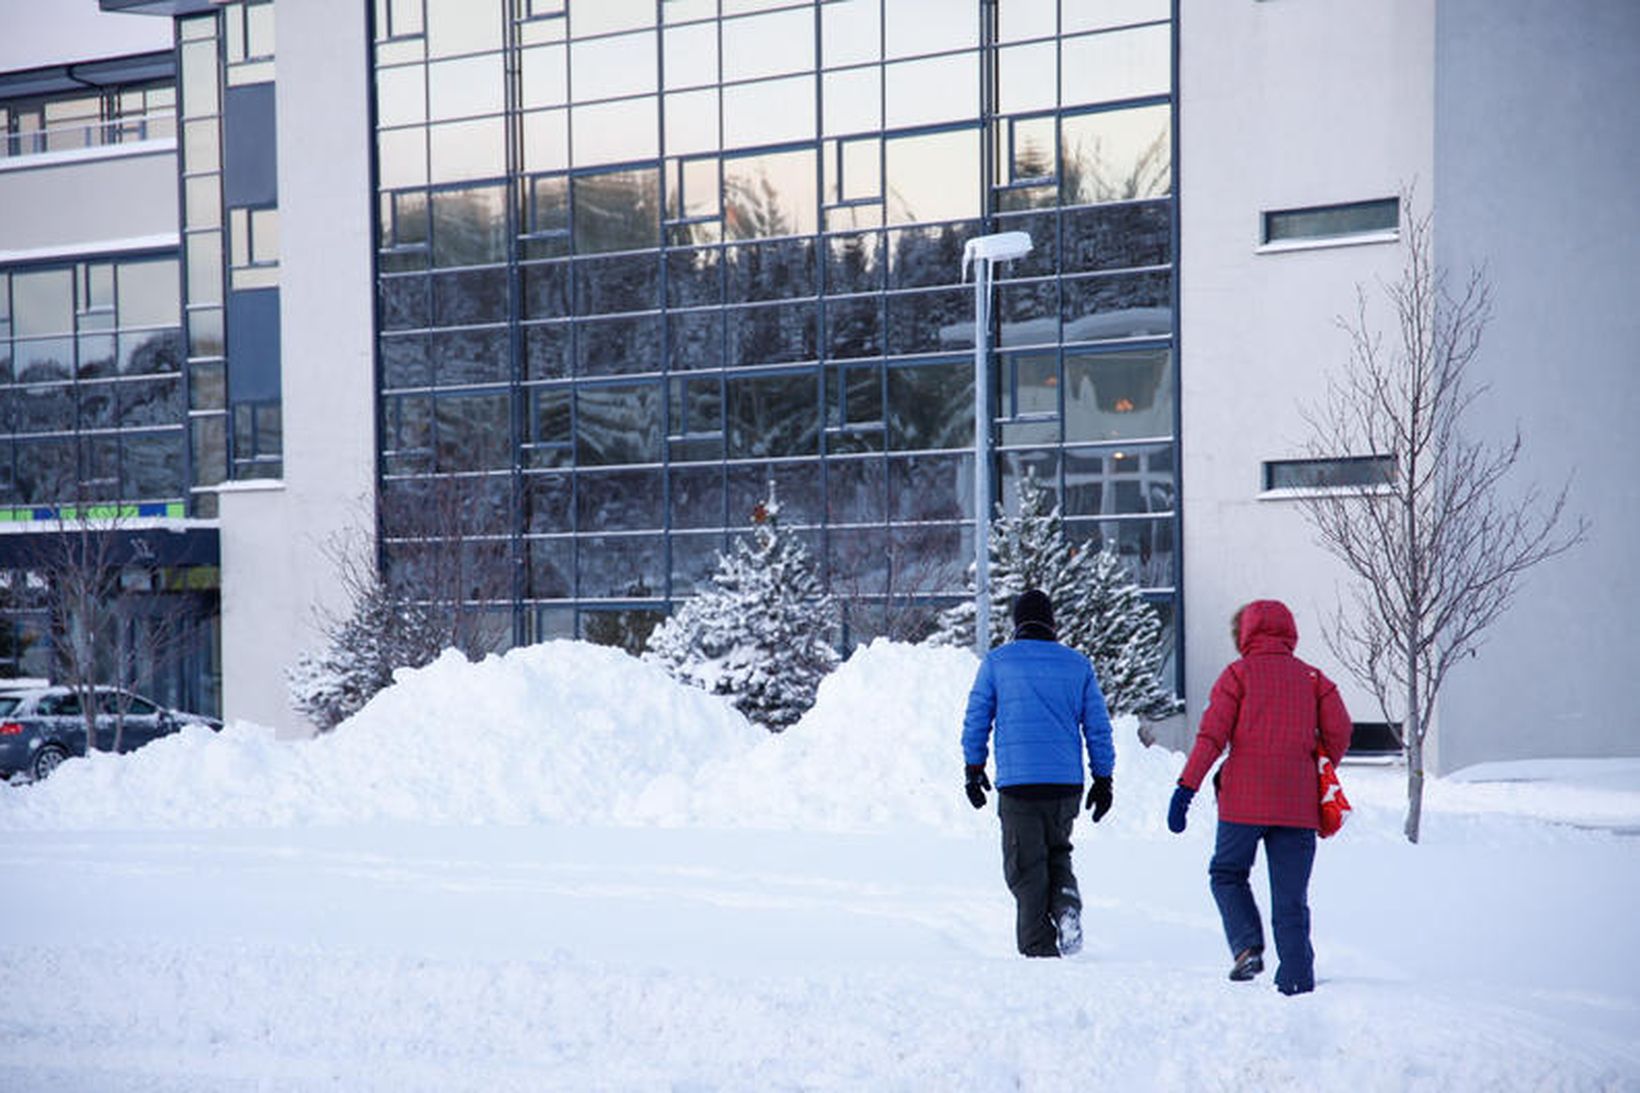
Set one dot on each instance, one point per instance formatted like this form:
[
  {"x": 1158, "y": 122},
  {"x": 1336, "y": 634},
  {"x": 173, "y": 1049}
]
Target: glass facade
[
  {"x": 230, "y": 219},
  {"x": 639, "y": 259}
]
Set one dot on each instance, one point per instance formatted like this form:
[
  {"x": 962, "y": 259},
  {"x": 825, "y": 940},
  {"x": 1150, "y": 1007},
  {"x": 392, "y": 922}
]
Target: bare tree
[{"x": 1438, "y": 547}]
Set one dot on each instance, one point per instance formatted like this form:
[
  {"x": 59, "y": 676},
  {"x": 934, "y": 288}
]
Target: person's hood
[{"x": 1267, "y": 627}]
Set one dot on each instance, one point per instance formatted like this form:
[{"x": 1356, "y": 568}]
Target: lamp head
[{"x": 998, "y": 247}]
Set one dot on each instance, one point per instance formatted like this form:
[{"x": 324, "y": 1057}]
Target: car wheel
[{"x": 47, "y": 760}]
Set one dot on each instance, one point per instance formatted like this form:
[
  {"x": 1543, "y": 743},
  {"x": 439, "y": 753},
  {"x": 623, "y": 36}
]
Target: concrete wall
[
  {"x": 1282, "y": 104},
  {"x": 1538, "y": 176},
  {"x": 86, "y": 201},
  {"x": 276, "y": 569}
]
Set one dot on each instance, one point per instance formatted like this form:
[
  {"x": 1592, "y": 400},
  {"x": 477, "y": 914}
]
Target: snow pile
[
  {"x": 563, "y": 731},
  {"x": 569, "y": 732}
]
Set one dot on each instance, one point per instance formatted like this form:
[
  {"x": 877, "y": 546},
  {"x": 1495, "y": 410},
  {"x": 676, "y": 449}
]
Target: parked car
[{"x": 42, "y": 726}]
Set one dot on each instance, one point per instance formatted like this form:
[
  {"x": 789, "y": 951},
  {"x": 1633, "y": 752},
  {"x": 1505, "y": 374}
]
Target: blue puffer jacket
[{"x": 1046, "y": 703}]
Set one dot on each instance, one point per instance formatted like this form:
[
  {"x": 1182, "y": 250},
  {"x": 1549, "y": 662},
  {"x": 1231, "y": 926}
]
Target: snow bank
[{"x": 572, "y": 733}]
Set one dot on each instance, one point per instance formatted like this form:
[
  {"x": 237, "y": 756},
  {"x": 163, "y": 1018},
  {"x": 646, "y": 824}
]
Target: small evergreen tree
[
  {"x": 760, "y": 632},
  {"x": 1097, "y": 604}
]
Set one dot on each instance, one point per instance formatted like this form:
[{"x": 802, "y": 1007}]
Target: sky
[
  {"x": 559, "y": 869},
  {"x": 44, "y": 32}
]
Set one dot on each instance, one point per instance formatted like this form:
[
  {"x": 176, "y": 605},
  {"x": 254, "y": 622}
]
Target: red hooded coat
[{"x": 1272, "y": 711}]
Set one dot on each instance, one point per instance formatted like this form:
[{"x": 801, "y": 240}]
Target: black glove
[
  {"x": 1177, "y": 808},
  {"x": 1099, "y": 796},
  {"x": 977, "y": 784}
]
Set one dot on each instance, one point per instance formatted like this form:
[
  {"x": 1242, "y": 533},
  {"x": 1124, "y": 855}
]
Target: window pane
[
  {"x": 619, "y": 500},
  {"x": 931, "y": 487},
  {"x": 930, "y": 322},
  {"x": 473, "y": 432},
  {"x": 1027, "y": 77},
  {"x": 1131, "y": 305},
  {"x": 628, "y": 282},
  {"x": 697, "y": 497},
  {"x": 1344, "y": 472},
  {"x": 607, "y": 16},
  {"x": 691, "y": 55},
  {"x": 465, "y": 88},
  {"x": 1145, "y": 546},
  {"x": 469, "y": 226},
  {"x": 468, "y": 149},
  {"x": 470, "y": 356},
  {"x": 401, "y": 95},
  {"x": 933, "y": 177},
  {"x": 1112, "y": 13},
  {"x": 152, "y": 465},
  {"x": 770, "y": 271},
  {"x": 608, "y": 68},
  {"x": 853, "y": 100},
  {"x": 1119, "y": 64},
  {"x": 543, "y": 78},
  {"x": 1118, "y": 395},
  {"x": 546, "y": 140},
  {"x": 695, "y": 339},
  {"x": 772, "y": 415},
  {"x": 1118, "y": 155},
  {"x": 42, "y": 302},
  {"x": 928, "y": 26},
  {"x": 936, "y": 90},
  {"x": 931, "y": 406},
  {"x": 1330, "y": 221},
  {"x": 615, "y": 132},
  {"x": 610, "y": 566},
  {"x": 768, "y": 112},
  {"x": 850, "y": 32},
  {"x": 769, "y": 195},
  {"x": 462, "y": 26},
  {"x": 857, "y": 490},
  {"x": 768, "y": 45},
  {"x": 619, "y": 210},
  {"x": 470, "y": 296},
  {"x": 619, "y": 423},
  {"x": 1131, "y": 480},
  {"x": 796, "y": 485},
  {"x": 609, "y": 347},
  {"x": 771, "y": 334},
  {"x": 1118, "y": 237},
  {"x": 692, "y": 122}
]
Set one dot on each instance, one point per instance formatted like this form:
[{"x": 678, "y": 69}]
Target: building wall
[
  {"x": 1537, "y": 156},
  {"x": 277, "y": 569},
  {"x": 1281, "y": 105},
  {"x": 64, "y": 203}
]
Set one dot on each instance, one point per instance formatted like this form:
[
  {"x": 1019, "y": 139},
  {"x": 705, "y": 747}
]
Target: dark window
[
  {"x": 1348, "y": 472},
  {"x": 1333, "y": 221}
]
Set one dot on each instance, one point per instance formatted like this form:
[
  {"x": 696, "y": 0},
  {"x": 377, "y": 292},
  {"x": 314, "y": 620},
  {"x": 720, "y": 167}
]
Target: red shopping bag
[{"x": 1335, "y": 807}]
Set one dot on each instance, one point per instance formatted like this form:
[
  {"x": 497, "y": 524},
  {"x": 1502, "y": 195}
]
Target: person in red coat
[{"x": 1273, "y": 713}]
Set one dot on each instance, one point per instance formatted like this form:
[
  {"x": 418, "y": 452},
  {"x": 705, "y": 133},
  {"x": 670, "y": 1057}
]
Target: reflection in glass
[
  {"x": 1145, "y": 546},
  {"x": 927, "y": 26},
  {"x": 619, "y": 210},
  {"x": 852, "y": 100},
  {"x": 1119, "y": 395},
  {"x": 929, "y": 322},
  {"x": 546, "y": 140},
  {"x": 854, "y": 328},
  {"x": 1112, "y": 13},
  {"x": 551, "y": 565},
  {"x": 466, "y": 87},
  {"x": 611, "y": 566},
  {"x": 1027, "y": 78},
  {"x": 770, "y": 271},
  {"x": 1018, "y": 20},
  {"x": 772, "y": 415},
  {"x": 697, "y": 496},
  {"x": 401, "y": 95},
  {"x": 608, "y": 16},
  {"x": 546, "y": 351},
  {"x": 401, "y": 158},
  {"x": 618, "y": 423},
  {"x": 770, "y": 334},
  {"x": 1123, "y": 481},
  {"x": 939, "y": 89},
  {"x": 625, "y": 500},
  {"x": 933, "y": 176},
  {"x": 850, "y": 32},
  {"x": 1117, "y": 64},
  {"x": 694, "y": 339},
  {"x": 768, "y": 112},
  {"x": 691, "y": 55},
  {"x": 768, "y": 45},
  {"x": 609, "y": 68},
  {"x": 1117, "y": 155},
  {"x": 627, "y": 282},
  {"x": 468, "y": 150},
  {"x": 610, "y": 347},
  {"x": 543, "y": 77},
  {"x": 200, "y": 95},
  {"x": 470, "y": 296},
  {"x": 796, "y": 486},
  {"x": 692, "y": 122},
  {"x": 463, "y": 357},
  {"x": 615, "y": 132},
  {"x": 42, "y": 302},
  {"x": 472, "y": 432},
  {"x": 931, "y": 406},
  {"x": 857, "y": 491},
  {"x": 462, "y": 26},
  {"x": 694, "y": 277},
  {"x": 931, "y": 486},
  {"x": 1118, "y": 236},
  {"x": 1133, "y": 305},
  {"x": 469, "y": 225},
  {"x": 769, "y": 195},
  {"x": 204, "y": 267}
]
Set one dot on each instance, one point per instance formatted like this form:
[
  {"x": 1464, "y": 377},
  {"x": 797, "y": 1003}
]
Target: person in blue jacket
[{"x": 1046, "y": 705}]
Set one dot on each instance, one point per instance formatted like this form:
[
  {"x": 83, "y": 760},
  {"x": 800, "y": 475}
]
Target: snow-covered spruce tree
[
  {"x": 760, "y": 632},
  {"x": 1098, "y": 605},
  {"x": 383, "y": 631}
]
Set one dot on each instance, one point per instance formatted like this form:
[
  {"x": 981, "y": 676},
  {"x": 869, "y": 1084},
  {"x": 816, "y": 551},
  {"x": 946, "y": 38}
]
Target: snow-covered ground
[{"x": 559, "y": 870}]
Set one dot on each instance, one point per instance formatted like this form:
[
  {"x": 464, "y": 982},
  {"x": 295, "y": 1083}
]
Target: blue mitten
[{"x": 1178, "y": 807}]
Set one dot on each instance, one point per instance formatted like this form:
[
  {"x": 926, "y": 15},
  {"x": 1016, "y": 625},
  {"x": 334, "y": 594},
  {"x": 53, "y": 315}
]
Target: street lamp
[{"x": 984, "y": 252}]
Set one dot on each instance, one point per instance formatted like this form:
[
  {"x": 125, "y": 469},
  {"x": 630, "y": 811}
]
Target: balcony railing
[{"x": 156, "y": 125}]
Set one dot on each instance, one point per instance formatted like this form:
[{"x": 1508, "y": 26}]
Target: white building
[{"x": 607, "y": 268}]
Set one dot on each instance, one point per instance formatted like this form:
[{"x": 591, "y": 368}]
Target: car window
[
  {"x": 109, "y": 702},
  {"x": 60, "y": 705},
  {"x": 8, "y": 703}
]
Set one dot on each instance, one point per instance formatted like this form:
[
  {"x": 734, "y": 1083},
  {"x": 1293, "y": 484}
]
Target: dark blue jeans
[{"x": 1290, "y": 854}]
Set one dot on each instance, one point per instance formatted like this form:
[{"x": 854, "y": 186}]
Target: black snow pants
[{"x": 1036, "y": 862}]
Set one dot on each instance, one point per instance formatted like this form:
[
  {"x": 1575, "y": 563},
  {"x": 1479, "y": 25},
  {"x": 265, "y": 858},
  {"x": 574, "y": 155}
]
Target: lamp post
[{"x": 984, "y": 251}]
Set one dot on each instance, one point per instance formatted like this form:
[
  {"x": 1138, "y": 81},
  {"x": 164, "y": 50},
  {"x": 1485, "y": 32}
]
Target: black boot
[{"x": 1249, "y": 962}]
